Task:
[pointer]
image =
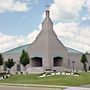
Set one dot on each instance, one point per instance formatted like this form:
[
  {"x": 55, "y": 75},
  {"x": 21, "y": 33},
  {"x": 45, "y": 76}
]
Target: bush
[
  {"x": 21, "y": 72},
  {"x": 67, "y": 71},
  {"x": 49, "y": 73},
  {"x": 76, "y": 73},
  {"x": 42, "y": 74},
  {"x": 6, "y": 76},
  {"x": 2, "y": 74},
  {"x": 26, "y": 72},
  {"x": 16, "y": 72},
  {"x": 54, "y": 71}
]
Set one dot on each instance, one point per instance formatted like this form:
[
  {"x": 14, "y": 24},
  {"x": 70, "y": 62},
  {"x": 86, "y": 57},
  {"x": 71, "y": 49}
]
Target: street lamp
[{"x": 73, "y": 62}]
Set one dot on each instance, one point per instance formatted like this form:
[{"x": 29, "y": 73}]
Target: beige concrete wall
[
  {"x": 47, "y": 45},
  {"x": 88, "y": 58},
  {"x": 75, "y": 57},
  {"x": 16, "y": 58}
]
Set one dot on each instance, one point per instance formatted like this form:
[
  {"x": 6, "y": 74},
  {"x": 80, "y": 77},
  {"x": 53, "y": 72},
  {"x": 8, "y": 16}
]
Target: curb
[{"x": 34, "y": 85}]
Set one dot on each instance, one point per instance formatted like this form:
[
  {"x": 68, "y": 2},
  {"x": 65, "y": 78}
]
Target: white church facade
[{"x": 47, "y": 53}]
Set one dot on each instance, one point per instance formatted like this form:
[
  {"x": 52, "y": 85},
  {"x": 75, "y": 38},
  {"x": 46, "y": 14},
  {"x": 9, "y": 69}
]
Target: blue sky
[{"x": 20, "y": 22}]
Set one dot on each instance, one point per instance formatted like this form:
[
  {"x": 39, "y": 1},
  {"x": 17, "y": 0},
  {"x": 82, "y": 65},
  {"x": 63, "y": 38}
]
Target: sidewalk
[
  {"x": 46, "y": 86},
  {"x": 77, "y": 88},
  {"x": 34, "y": 85}
]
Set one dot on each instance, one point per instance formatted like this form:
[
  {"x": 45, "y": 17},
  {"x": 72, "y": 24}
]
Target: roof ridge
[
  {"x": 15, "y": 48},
  {"x": 69, "y": 49}
]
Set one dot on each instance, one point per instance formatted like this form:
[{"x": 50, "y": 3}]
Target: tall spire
[
  {"x": 47, "y": 5},
  {"x": 47, "y": 23},
  {"x": 47, "y": 9},
  {"x": 47, "y": 13}
]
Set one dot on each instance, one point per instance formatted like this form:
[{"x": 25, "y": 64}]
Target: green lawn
[{"x": 83, "y": 79}]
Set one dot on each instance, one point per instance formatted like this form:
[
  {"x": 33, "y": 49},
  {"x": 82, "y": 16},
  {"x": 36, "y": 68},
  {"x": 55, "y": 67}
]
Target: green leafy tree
[
  {"x": 24, "y": 59},
  {"x": 84, "y": 61},
  {"x": 1, "y": 61},
  {"x": 9, "y": 64}
]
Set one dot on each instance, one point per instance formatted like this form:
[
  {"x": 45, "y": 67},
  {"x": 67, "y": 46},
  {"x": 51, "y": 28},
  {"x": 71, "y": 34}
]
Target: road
[
  {"x": 39, "y": 88},
  {"x": 25, "y": 88},
  {"x": 87, "y": 86}
]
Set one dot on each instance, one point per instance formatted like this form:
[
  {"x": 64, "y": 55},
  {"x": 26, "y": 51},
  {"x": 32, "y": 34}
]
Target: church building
[{"x": 47, "y": 53}]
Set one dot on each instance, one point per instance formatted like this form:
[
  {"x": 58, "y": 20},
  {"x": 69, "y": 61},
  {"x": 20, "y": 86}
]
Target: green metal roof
[
  {"x": 70, "y": 50},
  {"x": 18, "y": 50}
]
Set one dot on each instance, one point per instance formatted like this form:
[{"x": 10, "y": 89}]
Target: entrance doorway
[
  {"x": 57, "y": 61},
  {"x": 36, "y": 62},
  {"x": 18, "y": 67}
]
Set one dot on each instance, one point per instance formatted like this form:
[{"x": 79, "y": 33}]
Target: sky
[{"x": 20, "y": 22}]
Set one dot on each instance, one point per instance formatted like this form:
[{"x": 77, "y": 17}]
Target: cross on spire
[{"x": 47, "y": 5}]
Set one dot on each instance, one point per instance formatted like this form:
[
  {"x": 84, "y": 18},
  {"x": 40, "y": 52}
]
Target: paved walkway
[
  {"x": 39, "y": 87},
  {"x": 26, "y": 88},
  {"x": 87, "y": 86},
  {"x": 77, "y": 88},
  {"x": 33, "y": 85}
]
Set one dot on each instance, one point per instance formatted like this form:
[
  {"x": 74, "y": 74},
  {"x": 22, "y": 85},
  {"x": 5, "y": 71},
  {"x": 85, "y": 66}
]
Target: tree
[
  {"x": 84, "y": 60},
  {"x": 1, "y": 60},
  {"x": 9, "y": 64},
  {"x": 24, "y": 59}
]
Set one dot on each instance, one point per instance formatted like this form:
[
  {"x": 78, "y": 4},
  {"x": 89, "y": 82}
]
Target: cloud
[
  {"x": 66, "y": 9},
  {"x": 88, "y": 5},
  {"x": 71, "y": 34},
  {"x": 15, "y": 5},
  {"x": 32, "y": 36},
  {"x": 74, "y": 35},
  {"x": 8, "y": 42}
]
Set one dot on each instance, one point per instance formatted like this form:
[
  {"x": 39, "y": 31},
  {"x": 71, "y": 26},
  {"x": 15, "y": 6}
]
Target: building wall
[
  {"x": 88, "y": 58},
  {"x": 16, "y": 58},
  {"x": 77, "y": 58},
  {"x": 47, "y": 46},
  {"x": 68, "y": 64}
]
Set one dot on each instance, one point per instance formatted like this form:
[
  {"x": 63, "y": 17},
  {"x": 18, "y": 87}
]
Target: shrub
[
  {"x": 16, "y": 72},
  {"x": 42, "y": 74},
  {"x": 2, "y": 74},
  {"x": 54, "y": 71},
  {"x": 76, "y": 73},
  {"x": 49, "y": 73},
  {"x": 6, "y": 76},
  {"x": 21, "y": 72},
  {"x": 26, "y": 72}
]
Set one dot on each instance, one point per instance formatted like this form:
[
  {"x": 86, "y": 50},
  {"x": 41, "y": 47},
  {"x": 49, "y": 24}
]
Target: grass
[{"x": 64, "y": 80}]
